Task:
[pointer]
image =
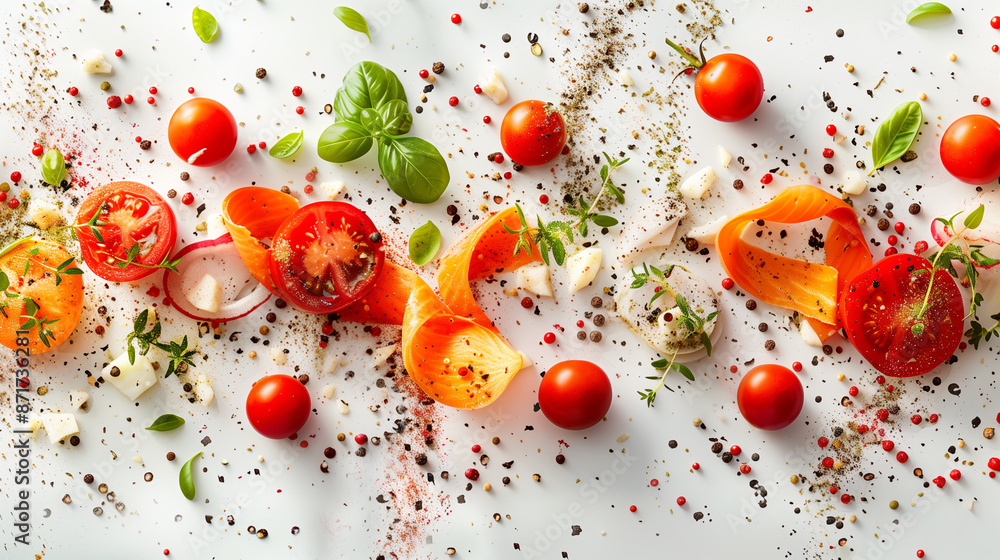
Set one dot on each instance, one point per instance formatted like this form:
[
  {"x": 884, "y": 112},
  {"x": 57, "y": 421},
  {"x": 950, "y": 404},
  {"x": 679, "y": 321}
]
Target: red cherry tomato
[
  {"x": 278, "y": 406},
  {"x": 970, "y": 149},
  {"x": 575, "y": 394},
  {"x": 889, "y": 334},
  {"x": 729, "y": 87},
  {"x": 202, "y": 132},
  {"x": 533, "y": 133},
  {"x": 770, "y": 397},
  {"x": 130, "y": 218},
  {"x": 325, "y": 256}
]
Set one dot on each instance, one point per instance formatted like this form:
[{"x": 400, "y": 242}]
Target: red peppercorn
[
  {"x": 36, "y": 150},
  {"x": 900, "y": 227},
  {"x": 955, "y": 474},
  {"x": 456, "y": 19},
  {"x": 476, "y": 448},
  {"x": 15, "y": 177},
  {"x": 327, "y": 329},
  {"x": 766, "y": 179},
  {"x": 296, "y": 91},
  {"x": 13, "y": 203},
  {"x": 472, "y": 474},
  {"x": 920, "y": 247},
  {"x": 862, "y": 428},
  {"x": 828, "y": 462},
  {"x": 984, "y": 101},
  {"x": 166, "y": 552},
  {"x": 300, "y": 109},
  {"x": 487, "y": 119},
  {"x": 190, "y": 90},
  {"x": 828, "y": 153},
  {"x": 888, "y": 445},
  {"x": 882, "y": 414},
  {"x": 993, "y": 464},
  {"x": 565, "y": 150},
  {"x": 735, "y": 450},
  {"x": 796, "y": 366},
  {"x": 114, "y": 102},
  {"x": 118, "y": 52},
  {"x": 138, "y": 139},
  {"x": 995, "y": 22},
  {"x": 549, "y": 338},
  {"x": 933, "y": 418},
  {"x": 845, "y": 499},
  {"x": 681, "y": 500},
  {"x": 995, "y": 48},
  {"x": 311, "y": 176},
  {"x": 579, "y": 323},
  {"x": 998, "y": 417},
  {"x": 833, "y": 489},
  {"x": 916, "y": 419},
  {"x": 251, "y": 148},
  {"x": 654, "y": 483},
  {"x": 727, "y": 283},
  {"x": 880, "y": 380},
  {"x": 688, "y": 71},
  {"x": 939, "y": 481},
  {"x": 423, "y": 74},
  {"x": 73, "y": 91},
  {"x": 695, "y": 466},
  {"x": 890, "y": 251},
  {"x": 831, "y": 129},
  {"x": 902, "y": 457},
  {"x": 920, "y": 553},
  {"x": 893, "y": 240},
  {"x": 745, "y": 468},
  {"x": 187, "y": 199},
  {"x": 152, "y": 90},
  {"x": 128, "y": 99},
  {"x": 527, "y": 303},
  {"x": 993, "y": 475},
  {"x": 308, "y": 189},
  {"x": 508, "y": 175},
  {"x": 633, "y": 509},
  {"x": 853, "y": 391},
  {"x": 733, "y": 369},
  {"x": 3, "y": 196},
  {"x": 361, "y": 439},
  {"x": 262, "y": 145},
  {"x": 543, "y": 198},
  {"x": 477, "y": 89},
  {"x": 822, "y": 441},
  {"x": 151, "y": 100},
  {"x": 453, "y": 101}
]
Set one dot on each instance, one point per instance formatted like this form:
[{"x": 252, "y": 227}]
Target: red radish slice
[
  {"x": 987, "y": 234},
  {"x": 241, "y": 292}
]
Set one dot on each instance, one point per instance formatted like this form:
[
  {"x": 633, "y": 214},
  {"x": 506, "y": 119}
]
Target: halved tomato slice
[
  {"x": 126, "y": 230},
  {"x": 884, "y": 315},
  {"x": 325, "y": 256}
]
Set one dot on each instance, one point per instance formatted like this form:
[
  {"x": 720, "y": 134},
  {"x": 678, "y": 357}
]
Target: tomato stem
[{"x": 687, "y": 56}]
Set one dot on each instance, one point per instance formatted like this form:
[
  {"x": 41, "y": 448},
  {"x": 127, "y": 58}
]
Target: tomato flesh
[
  {"x": 121, "y": 217},
  {"x": 880, "y": 312},
  {"x": 729, "y": 87},
  {"x": 325, "y": 256},
  {"x": 575, "y": 394},
  {"x": 970, "y": 149},
  {"x": 533, "y": 133},
  {"x": 770, "y": 397}
]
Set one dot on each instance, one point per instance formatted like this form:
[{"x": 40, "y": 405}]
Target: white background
[{"x": 337, "y": 513}]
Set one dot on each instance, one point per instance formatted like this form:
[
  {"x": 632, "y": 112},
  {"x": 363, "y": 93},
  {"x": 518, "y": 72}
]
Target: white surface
[{"x": 337, "y": 513}]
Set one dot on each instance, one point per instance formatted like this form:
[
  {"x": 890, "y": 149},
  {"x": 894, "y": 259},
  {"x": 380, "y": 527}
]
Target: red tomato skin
[
  {"x": 533, "y": 133},
  {"x": 202, "y": 123},
  {"x": 278, "y": 406},
  {"x": 729, "y": 87},
  {"x": 575, "y": 394},
  {"x": 970, "y": 149},
  {"x": 770, "y": 397}
]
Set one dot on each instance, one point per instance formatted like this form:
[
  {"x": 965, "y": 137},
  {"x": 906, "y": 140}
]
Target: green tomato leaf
[
  {"x": 425, "y": 242},
  {"x": 413, "y": 168},
  {"x": 53, "y": 167},
  {"x": 166, "y": 423},
  {"x": 396, "y": 117},
  {"x": 353, "y": 20},
  {"x": 204, "y": 25},
  {"x": 895, "y": 134},
  {"x": 343, "y": 142},
  {"x": 287, "y": 146},
  {"x": 367, "y": 85},
  {"x": 186, "y": 478},
  {"x": 975, "y": 218},
  {"x": 928, "y": 9}
]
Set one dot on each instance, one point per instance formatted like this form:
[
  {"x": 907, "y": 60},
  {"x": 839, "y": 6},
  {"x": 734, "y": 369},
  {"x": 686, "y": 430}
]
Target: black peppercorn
[
  {"x": 185, "y": 175},
  {"x": 727, "y": 457},
  {"x": 505, "y": 38},
  {"x": 438, "y": 68},
  {"x": 828, "y": 168},
  {"x": 751, "y": 304},
  {"x": 599, "y": 320},
  {"x": 762, "y": 327},
  {"x": 717, "y": 447},
  {"x": 914, "y": 209},
  {"x": 883, "y": 224},
  {"x": 769, "y": 345},
  {"x": 171, "y": 193},
  {"x": 261, "y": 73},
  {"x": 596, "y": 336},
  {"x": 560, "y": 458},
  {"x": 738, "y": 184},
  {"x": 145, "y": 144},
  {"x": 271, "y": 317},
  {"x": 584, "y": 8},
  {"x": 280, "y": 303},
  {"x": 691, "y": 244},
  {"x": 421, "y": 459},
  {"x": 329, "y": 453},
  {"x": 88, "y": 478}
]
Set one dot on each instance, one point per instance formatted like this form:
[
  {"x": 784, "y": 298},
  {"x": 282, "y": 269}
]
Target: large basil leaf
[
  {"x": 413, "y": 168},
  {"x": 396, "y": 117},
  {"x": 895, "y": 134},
  {"x": 367, "y": 85},
  {"x": 343, "y": 142}
]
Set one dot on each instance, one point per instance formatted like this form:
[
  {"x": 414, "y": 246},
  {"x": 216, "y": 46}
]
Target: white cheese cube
[
  {"x": 380, "y": 355},
  {"x": 625, "y": 78},
  {"x": 494, "y": 88},
  {"x": 332, "y": 188},
  {"x": 698, "y": 184},
  {"x": 809, "y": 335},
  {"x": 330, "y": 364},
  {"x": 132, "y": 379},
  {"x": 78, "y": 399},
  {"x": 279, "y": 356},
  {"x": 328, "y": 391},
  {"x": 854, "y": 183},
  {"x": 59, "y": 426},
  {"x": 534, "y": 278},
  {"x": 583, "y": 267},
  {"x": 206, "y": 294},
  {"x": 203, "y": 389},
  {"x": 214, "y": 226},
  {"x": 705, "y": 234},
  {"x": 725, "y": 158},
  {"x": 95, "y": 63}
]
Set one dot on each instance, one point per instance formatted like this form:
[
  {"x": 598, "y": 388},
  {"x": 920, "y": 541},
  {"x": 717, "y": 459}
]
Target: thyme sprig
[{"x": 177, "y": 352}]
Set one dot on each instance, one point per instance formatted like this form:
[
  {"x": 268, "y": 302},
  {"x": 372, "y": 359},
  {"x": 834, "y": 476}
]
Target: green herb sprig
[{"x": 177, "y": 352}]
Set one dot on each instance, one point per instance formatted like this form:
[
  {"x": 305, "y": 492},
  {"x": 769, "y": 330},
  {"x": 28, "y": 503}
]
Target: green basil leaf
[
  {"x": 204, "y": 25},
  {"x": 603, "y": 221},
  {"x": 973, "y": 220},
  {"x": 166, "y": 423},
  {"x": 930, "y": 8},
  {"x": 367, "y": 85},
  {"x": 372, "y": 121},
  {"x": 186, "y": 478},
  {"x": 396, "y": 117},
  {"x": 343, "y": 142},
  {"x": 895, "y": 134},
  {"x": 413, "y": 168},
  {"x": 287, "y": 146},
  {"x": 353, "y": 20},
  {"x": 53, "y": 167},
  {"x": 425, "y": 242}
]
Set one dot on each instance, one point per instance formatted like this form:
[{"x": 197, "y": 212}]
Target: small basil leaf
[
  {"x": 204, "y": 25},
  {"x": 372, "y": 121},
  {"x": 895, "y": 134},
  {"x": 413, "y": 168},
  {"x": 973, "y": 220},
  {"x": 343, "y": 142},
  {"x": 603, "y": 221},
  {"x": 353, "y": 20},
  {"x": 930, "y": 8},
  {"x": 425, "y": 242},
  {"x": 367, "y": 85},
  {"x": 396, "y": 117},
  {"x": 287, "y": 146},
  {"x": 186, "y": 478},
  {"x": 166, "y": 423},
  {"x": 53, "y": 167}
]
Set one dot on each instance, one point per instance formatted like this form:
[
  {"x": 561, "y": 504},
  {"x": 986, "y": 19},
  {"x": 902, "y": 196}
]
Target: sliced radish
[
  {"x": 219, "y": 258},
  {"x": 987, "y": 234}
]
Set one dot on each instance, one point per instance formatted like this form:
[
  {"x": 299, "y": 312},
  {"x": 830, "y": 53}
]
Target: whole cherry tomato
[
  {"x": 770, "y": 397},
  {"x": 278, "y": 406},
  {"x": 970, "y": 149},
  {"x": 729, "y": 87},
  {"x": 575, "y": 394},
  {"x": 202, "y": 132},
  {"x": 533, "y": 133}
]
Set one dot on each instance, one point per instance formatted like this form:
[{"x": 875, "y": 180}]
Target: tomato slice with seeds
[
  {"x": 881, "y": 315},
  {"x": 325, "y": 256},
  {"x": 125, "y": 230}
]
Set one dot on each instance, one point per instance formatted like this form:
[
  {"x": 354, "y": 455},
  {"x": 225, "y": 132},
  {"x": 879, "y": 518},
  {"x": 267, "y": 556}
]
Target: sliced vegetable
[
  {"x": 386, "y": 302},
  {"x": 287, "y": 145},
  {"x": 811, "y": 289},
  {"x": 166, "y": 423},
  {"x": 895, "y": 134},
  {"x": 425, "y": 242},
  {"x": 984, "y": 239},
  {"x": 928, "y": 9},
  {"x": 220, "y": 259},
  {"x": 252, "y": 216},
  {"x": 652, "y": 226}
]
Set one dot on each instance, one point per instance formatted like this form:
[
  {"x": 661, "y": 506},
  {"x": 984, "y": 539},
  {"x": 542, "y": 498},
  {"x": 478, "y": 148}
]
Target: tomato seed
[{"x": 920, "y": 247}]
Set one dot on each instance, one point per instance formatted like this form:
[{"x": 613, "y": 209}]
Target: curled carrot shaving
[
  {"x": 811, "y": 289},
  {"x": 253, "y": 214},
  {"x": 386, "y": 302}
]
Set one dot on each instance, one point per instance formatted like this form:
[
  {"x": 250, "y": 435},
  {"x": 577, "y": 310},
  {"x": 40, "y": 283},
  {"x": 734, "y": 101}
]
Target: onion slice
[
  {"x": 241, "y": 292},
  {"x": 987, "y": 234}
]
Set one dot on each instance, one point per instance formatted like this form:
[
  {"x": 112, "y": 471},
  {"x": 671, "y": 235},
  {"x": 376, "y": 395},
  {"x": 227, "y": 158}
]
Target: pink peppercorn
[
  {"x": 543, "y": 198},
  {"x": 984, "y": 101},
  {"x": 114, "y": 102},
  {"x": 360, "y": 439},
  {"x": 695, "y": 466},
  {"x": 476, "y": 448},
  {"x": 262, "y": 145},
  {"x": 472, "y": 474},
  {"x": 251, "y": 148},
  {"x": 151, "y": 100},
  {"x": 15, "y": 177},
  {"x": 152, "y": 90},
  {"x": 902, "y": 457},
  {"x": 549, "y": 338},
  {"x": 681, "y": 500},
  {"x": 735, "y": 450},
  {"x": 888, "y": 445},
  {"x": 73, "y": 91},
  {"x": 487, "y": 119},
  {"x": 308, "y": 189},
  {"x": 477, "y": 89},
  {"x": 831, "y": 129},
  {"x": 828, "y": 153},
  {"x": 745, "y": 468},
  {"x": 920, "y": 247},
  {"x": 893, "y": 240},
  {"x": 828, "y": 462},
  {"x": 187, "y": 199},
  {"x": 300, "y": 109},
  {"x": 993, "y": 464},
  {"x": 128, "y": 99},
  {"x": 453, "y": 101},
  {"x": 633, "y": 509},
  {"x": 13, "y": 203},
  {"x": 939, "y": 481},
  {"x": 767, "y": 178},
  {"x": 845, "y": 499},
  {"x": 823, "y": 442},
  {"x": 891, "y": 251},
  {"x": 797, "y": 366},
  {"x": 456, "y": 19},
  {"x": 36, "y": 150},
  {"x": 916, "y": 419},
  {"x": 853, "y": 391},
  {"x": 728, "y": 283},
  {"x": 955, "y": 474},
  {"x": 296, "y": 91},
  {"x": 190, "y": 90},
  {"x": 118, "y": 52},
  {"x": 423, "y": 74}
]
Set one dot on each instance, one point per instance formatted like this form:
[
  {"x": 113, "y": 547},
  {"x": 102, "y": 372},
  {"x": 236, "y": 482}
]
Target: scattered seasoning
[{"x": 261, "y": 73}]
